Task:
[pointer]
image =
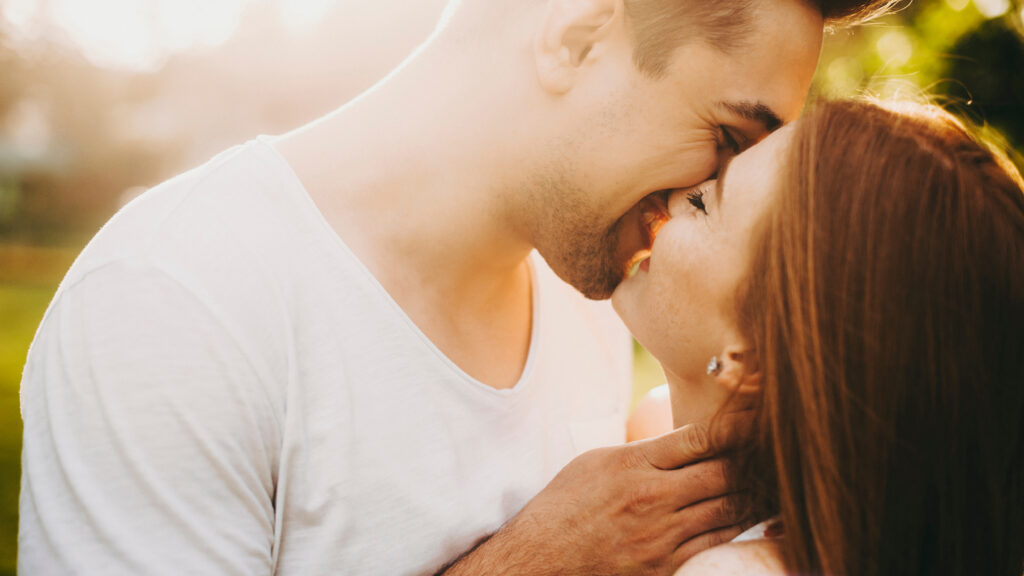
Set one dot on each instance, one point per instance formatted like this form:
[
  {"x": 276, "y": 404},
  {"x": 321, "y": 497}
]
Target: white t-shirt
[{"x": 221, "y": 387}]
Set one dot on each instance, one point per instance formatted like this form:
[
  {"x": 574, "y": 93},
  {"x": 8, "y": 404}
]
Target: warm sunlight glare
[
  {"x": 141, "y": 34},
  {"x": 992, "y": 8}
]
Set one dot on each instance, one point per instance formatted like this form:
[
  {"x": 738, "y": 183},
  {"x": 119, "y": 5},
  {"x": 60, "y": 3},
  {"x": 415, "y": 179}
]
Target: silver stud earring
[{"x": 714, "y": 366}]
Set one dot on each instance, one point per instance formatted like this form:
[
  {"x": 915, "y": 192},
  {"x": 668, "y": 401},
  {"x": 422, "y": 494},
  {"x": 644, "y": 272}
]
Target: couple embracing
[{"x": 362, "y": 348}]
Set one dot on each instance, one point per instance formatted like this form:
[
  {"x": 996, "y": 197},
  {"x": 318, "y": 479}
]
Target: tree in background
[
  {"x": 63, "y": 159},
  {"x": 997, "y": 86},
  {"x": 968, "y": 56}
]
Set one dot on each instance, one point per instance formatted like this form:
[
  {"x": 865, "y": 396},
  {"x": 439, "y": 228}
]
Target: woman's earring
[{"x": 714, "y": 366}]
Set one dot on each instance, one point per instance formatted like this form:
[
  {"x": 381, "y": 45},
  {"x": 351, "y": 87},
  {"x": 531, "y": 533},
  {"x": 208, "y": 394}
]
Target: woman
[{"x": 857, "y": 279}]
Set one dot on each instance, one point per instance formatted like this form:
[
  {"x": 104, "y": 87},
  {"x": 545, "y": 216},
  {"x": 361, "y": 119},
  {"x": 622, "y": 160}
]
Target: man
[{"x": 334, "y": 353}]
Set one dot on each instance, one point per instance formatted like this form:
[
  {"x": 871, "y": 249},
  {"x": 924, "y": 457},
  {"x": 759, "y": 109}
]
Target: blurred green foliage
[
  {"x": 965, "y": 56},
  {"x": 55, "y": 193},
  {"x": 21, "y": 308},
  {"x": 28, "y": 279}
]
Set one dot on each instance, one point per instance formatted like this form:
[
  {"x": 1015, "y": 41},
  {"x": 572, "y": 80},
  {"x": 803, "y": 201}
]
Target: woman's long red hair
[{"x": 886, "y": 307}]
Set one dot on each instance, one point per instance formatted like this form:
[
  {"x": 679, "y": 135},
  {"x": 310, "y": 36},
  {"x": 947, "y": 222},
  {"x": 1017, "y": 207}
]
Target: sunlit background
[{"x": 100, "y": 99}]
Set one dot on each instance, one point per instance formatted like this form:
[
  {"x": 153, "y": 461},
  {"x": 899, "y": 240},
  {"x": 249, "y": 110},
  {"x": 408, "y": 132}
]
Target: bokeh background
[{"x": 100, "y": 99}]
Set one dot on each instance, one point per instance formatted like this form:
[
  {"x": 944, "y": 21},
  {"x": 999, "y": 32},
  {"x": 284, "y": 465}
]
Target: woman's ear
[
  {"x": 568, "y": 32},
  {"x": 739, "y": 371}
]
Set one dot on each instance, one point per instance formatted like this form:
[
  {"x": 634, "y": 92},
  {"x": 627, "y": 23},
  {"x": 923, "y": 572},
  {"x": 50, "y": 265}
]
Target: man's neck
[{"x": 411, "y": 178}]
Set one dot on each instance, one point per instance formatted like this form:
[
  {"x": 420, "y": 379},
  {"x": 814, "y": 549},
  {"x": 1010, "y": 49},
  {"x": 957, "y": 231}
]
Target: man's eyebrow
[{"x": 756, "y": 111}]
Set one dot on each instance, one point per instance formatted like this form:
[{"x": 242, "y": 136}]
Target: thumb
[{"x": 697, "y": 441}]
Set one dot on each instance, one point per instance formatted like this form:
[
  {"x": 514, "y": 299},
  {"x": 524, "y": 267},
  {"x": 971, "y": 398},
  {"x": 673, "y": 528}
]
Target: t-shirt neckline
[{"x": 525, "y": 377}]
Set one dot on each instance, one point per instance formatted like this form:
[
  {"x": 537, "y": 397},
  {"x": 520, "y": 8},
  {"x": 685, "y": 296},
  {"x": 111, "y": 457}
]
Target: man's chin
[
  {"x": 594, "y": 282},
  {"x": 598, "y": 284},
  {"x": 594, "y": 294},
  {"x": 594, "y": 267}
]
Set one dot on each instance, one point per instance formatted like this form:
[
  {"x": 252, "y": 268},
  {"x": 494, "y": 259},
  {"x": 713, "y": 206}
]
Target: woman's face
[{"x": 680, "y": 304}]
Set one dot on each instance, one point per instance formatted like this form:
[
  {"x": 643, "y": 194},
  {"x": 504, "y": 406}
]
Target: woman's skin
[
  {"x": 681, "y": 306},
  {"x": 850, "y": 308},
  {"x": 681, "y": 303}
]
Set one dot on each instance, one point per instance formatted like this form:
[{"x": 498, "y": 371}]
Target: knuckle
[
  {"x": 732, "y": 507},
  {"x": 642, "y": 497},
  {"x": 722, "y": 477},
  {"x": 723, "y": 468},
  {"x": 634, "y": 457},
  {"x": 591, "y": 458},
  {"x": 697, "y": 439},
  {"x": 722, "y": 536},
  {"x": 707, "y": 516},
  {"x": 721, "y": 512},
  {"x": 714, "y": 474}
]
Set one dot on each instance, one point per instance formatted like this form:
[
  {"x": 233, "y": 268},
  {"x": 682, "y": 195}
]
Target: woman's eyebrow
[{"x": 756, "y": 112}]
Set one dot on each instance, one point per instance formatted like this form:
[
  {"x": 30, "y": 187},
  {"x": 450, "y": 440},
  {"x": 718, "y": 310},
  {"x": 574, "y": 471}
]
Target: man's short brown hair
[{"x": 662, "y": 26}]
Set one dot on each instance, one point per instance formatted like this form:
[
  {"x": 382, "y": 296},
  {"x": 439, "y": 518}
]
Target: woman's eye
[{"x": 696, "y": 199}]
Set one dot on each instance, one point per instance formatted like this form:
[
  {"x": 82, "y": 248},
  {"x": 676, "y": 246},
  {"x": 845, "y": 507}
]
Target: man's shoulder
[
  {"x": 216, "y": 212},
  {"x": 210, "y": 237}
]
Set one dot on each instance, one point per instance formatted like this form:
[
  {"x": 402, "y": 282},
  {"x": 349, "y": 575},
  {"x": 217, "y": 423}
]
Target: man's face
[{"x": 629, "y": 138}]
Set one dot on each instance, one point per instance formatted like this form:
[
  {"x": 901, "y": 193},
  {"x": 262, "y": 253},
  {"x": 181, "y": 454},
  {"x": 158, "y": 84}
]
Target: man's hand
[{"x": 641, "y": 508}]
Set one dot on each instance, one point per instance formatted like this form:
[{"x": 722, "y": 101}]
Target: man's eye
[
  {"x": 696, "y": 198},
  {"x": 730, "y": 141}
]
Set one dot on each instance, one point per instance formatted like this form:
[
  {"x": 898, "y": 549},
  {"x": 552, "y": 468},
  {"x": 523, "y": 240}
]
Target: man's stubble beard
[{"x": 578, "y": 244}]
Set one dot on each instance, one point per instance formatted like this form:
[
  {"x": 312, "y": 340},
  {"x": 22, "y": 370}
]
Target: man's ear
[
  {"x": 740, "y": 372},
  {"x": 567, "y": 34}
]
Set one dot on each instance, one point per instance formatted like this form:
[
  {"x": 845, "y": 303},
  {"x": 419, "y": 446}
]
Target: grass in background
[
  {"x": 21, "y": 310},
  {"x": 28, "y": 279}
]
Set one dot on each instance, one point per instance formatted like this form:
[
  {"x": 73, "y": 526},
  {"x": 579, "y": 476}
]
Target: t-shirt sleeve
[{"x": 150, "y": 441}]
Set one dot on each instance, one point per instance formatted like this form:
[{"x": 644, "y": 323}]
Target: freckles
[
  {"x": 675, "y": 295},
  {"x": 683, "y": 283}
]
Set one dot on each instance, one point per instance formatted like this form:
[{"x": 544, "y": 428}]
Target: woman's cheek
[{"x": 674, "y": 250}]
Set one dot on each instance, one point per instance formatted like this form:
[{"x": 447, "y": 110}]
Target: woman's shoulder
[{"x": 751, "y": 558}]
